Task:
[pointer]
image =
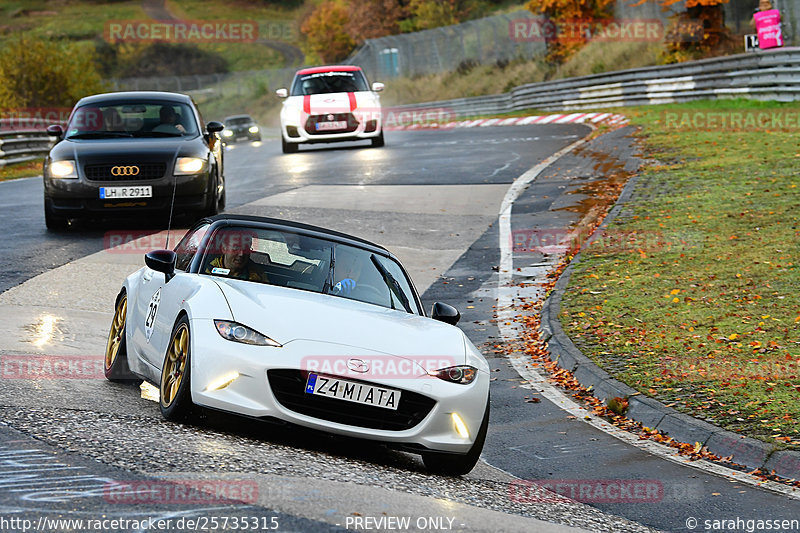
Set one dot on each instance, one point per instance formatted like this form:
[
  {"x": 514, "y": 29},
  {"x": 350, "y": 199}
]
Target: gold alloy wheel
[
  {"x": 174, "y": 365},
  {"x": 116, "y": 332}
]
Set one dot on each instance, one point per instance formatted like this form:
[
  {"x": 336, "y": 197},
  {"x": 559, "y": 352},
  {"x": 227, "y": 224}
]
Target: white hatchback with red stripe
[{"x": 330, "y": 104}]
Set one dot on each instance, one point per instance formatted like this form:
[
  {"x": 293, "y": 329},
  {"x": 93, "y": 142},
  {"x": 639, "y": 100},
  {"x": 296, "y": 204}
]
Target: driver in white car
[
  {"x": 234, "y": 261},
  {"x": 347, "y": 271}
]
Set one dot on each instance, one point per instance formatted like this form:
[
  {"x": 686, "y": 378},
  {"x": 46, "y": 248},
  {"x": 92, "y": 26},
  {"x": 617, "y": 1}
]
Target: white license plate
[
  {"x": 334, "y": 125},
  {"x": 352, "y": 391},
  {"x": 126, "y": 192}
]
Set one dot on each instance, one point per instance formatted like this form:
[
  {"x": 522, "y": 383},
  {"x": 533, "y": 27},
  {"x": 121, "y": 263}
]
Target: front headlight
[
  {"x": 462, "y": 374},
  {"x": 233, "y": 331},
  {"x": 62, "y": 169},
  {"x": 253, "y": 129},
  {"x": 189, "y": 165},
  {"x": 227, "y": 133}
]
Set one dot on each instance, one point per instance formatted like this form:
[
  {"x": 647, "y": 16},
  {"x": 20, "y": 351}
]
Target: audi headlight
[
  {"x": 227, "y": 133},
  {"x": 189, "y": 165},
  {"x": 62, "y": 169},
  {"x": 462, "y": 374},
  {"x": 253, "y": 129},
  {"x": 233, "y": 331}
]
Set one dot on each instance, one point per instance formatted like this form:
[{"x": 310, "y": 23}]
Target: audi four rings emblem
[{"x": 125, "y": 171}]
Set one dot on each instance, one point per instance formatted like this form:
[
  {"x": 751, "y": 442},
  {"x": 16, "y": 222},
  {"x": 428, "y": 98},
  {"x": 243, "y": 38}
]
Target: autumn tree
[
  {"x": 560, "y": 46},
  {"x": 427, "y": 14},
  {"x": 326, "y": 30},
  {"x": 695, "y": 32},
  {"x": 370, "y": 19},
  {"x": 44, "y": 73}
]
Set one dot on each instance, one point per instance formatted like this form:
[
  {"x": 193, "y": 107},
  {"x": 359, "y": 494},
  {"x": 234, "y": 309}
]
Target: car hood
[
  {"x": 288, "y": 315},
  {"x": 127, "y": 149},
  {"x": 316, "y": 104}
]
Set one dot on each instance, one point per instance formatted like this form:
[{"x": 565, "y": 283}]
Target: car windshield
[
  {"x": 238, "y": 121},
  {"x": 139, "y": 119},
  {"x": 329, "y": 82},
  {"x": 298, "y": 261}
]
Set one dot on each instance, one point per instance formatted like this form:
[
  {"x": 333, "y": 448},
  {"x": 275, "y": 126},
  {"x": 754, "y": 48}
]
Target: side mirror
[
  {"x": 378, "y": 86},
  {"x": 445, "y": 313},
  {"x": 55, "y": 131},
  {"x": 162, "y": 261},
  {"x": 282, "y": 93},
  {"x": 215, "y": 127}
]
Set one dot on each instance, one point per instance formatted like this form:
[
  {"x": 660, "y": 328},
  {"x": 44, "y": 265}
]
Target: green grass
[
  {"x": 701, "y": 309},
  {"x": 83, "y": 21},
  {"x": 71, "y": 20},
  {"x": 21, "y": 170}
]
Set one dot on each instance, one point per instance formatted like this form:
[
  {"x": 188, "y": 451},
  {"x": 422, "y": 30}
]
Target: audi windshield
[{"x": 140, "y": 119}]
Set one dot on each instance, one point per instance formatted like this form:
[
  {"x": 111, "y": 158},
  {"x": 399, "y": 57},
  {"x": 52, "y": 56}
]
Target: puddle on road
[
  {"x": 603, "y": 189},
  {"x": 598, "y": 194},
  {"x": 45, "y": 331}
]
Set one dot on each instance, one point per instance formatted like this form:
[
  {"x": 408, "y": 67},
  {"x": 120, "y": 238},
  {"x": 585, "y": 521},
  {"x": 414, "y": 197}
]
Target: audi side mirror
[
  {"x": 378, "y": 86},
  {"x": 282, "y": 93},
  {"x": 445, "y": 313},
  {"x": 215, "y": 127},
  {"x": 162, "y": 261}
]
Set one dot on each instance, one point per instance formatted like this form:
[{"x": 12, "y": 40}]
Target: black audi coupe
[{"x": 127, "y": 153}]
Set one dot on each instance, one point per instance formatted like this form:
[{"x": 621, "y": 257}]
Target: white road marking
[{"x": 508, "y": 328}]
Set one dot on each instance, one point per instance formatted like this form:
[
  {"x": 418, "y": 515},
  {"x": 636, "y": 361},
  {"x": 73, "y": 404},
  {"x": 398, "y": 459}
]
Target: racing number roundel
[{"x": 152, "y": 310}]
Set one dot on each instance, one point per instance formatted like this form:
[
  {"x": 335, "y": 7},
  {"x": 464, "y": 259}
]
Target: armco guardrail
[
  {"x": 23, "y": 142},
  {"x": 770, "y": 75}
]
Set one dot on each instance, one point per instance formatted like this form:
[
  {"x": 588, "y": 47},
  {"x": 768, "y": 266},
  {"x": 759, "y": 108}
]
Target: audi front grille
[{"x": 146, "y": 171}]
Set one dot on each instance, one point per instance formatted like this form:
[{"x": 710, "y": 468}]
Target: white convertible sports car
[
  {"x": 330, "y": 104},
  {"x": 279, "y": 320}
]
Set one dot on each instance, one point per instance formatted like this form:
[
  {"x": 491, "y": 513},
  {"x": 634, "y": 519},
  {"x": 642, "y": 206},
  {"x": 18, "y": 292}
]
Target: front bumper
[
  {"x": 245, "y": 135},
  {"x": 252, "y": 395},
  {"x": 76, "y": 197},
  {"x": 296, "y": 131}
]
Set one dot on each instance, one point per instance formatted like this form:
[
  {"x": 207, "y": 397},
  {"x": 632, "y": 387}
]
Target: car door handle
[{"x": 147, "y": 276}]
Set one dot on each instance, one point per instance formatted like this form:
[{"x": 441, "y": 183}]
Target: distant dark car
[
  {"x": 241, "y": 127},
  {"x": 130, "y": 152}
]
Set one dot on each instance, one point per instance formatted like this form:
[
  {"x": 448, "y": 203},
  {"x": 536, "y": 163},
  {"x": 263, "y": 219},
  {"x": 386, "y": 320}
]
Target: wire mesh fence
[
  {"x": 242, "y": 83},
  {"x": 480, "y": 41}
]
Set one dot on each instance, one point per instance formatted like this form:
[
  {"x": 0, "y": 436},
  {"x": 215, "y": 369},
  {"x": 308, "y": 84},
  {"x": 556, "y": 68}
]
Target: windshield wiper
[
  {"x": 394, "y": 286},
  {"x": 99, "y": 135},
  {"x": 329, "y": 281},
  {"x": 158, "y": 134}
]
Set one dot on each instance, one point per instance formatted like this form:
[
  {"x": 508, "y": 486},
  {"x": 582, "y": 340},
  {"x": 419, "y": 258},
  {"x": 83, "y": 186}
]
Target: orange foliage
[
  {"x": 560, "y": 47},
  {"x": 325, "y": 29},
  {"x": 570, "y": 9}
]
